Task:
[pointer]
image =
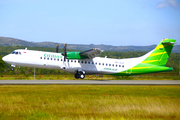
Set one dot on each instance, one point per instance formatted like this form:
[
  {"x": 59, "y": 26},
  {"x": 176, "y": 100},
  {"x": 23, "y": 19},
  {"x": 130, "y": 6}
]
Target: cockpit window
[
  {"x": 13, "y": 52},
  {"x": 16, "y": 53}
]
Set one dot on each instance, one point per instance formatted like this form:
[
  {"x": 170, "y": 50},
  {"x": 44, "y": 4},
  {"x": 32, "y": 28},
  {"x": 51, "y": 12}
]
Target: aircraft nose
[{"x": 4, "y": 58}]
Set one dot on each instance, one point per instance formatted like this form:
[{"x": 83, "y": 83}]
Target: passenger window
[
  {"x": 51, "y": 58},
  {"x": 78, "y": 61},
  {"x": 106, "y": 64},
  {"x": 40, "y": 57},
  {"x": 103, "y": 64},
  {"x": 68, "y": 60},
  {"x": 116, "y": 65},
  {"x": 99, "y": 63},
  {"x": 75, "y": 61},
  {"x": 20, "y": 53},
  {"x": 113, "y": 65},
  {"x": 109, "y": 64},
  {"x": 61, "y": 59},
  {"x": 71, "y": 60},
  {"x": 81, "y": 61},
  {"x": 44, "y": 57},
  {"x": 16, "y": 53},
  {"x": 54, "y": 58},
  {"x": 119, "y": 65},
  {"x": 92, "y": 62},
  {"x": 85, "y": 62},
  {"x": 88, "y": 62},
  {"x": 47, "y": 58},
  {"x": 96, "y": 63},
  {"x": 57, "y": 59},
  {"x": 122, "y": 65}
]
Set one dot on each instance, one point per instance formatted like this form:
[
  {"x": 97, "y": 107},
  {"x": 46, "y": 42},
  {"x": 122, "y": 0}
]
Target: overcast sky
[{"x": 109, "y": 22}]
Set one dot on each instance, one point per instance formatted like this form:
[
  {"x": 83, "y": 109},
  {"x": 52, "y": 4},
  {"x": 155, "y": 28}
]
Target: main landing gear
[{"x": 80, "y": 74}]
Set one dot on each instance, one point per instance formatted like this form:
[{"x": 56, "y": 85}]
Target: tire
[
  {"x": 82, "y": 76},
  {"x": 76, "y": 76}
]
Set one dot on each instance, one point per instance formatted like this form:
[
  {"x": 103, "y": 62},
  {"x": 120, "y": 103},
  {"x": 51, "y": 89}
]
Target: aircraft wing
[{"x": 91, "y": 53}]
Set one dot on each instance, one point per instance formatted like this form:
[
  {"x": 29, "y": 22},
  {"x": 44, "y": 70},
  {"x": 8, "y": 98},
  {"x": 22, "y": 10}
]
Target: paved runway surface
[{"x": 90, "y": 82}]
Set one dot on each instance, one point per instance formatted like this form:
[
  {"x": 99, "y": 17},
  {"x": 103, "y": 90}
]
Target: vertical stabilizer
[{"x": 161, "y": 53}]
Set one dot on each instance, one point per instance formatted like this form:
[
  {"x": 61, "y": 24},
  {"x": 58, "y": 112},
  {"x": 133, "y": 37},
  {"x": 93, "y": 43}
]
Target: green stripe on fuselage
[{"x": 143, "y": 68}]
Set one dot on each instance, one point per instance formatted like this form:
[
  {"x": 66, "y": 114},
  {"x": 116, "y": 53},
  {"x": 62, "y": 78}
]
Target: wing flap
[{"x": 91, "y": 53}]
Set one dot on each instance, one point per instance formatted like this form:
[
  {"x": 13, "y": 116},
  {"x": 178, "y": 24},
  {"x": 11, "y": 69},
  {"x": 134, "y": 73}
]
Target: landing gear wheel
[
  {"x": 82, "y": 76},
  {"x": 12, "y": 68},
  {"x": 76, "y": 76}
]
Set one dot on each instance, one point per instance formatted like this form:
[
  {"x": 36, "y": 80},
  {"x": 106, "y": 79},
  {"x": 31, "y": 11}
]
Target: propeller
[
  {"x": 57, "y": 46},
  {"x": 64, "y": 53}
]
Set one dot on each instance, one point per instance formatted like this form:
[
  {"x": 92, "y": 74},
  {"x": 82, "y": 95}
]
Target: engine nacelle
[{"x": 75, "y": 55}]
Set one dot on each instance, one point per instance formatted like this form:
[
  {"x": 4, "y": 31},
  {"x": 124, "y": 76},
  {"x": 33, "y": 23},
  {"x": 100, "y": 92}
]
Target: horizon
[
  {"x": 49, "y": 44},
  {"x": 77, "y": 44}
]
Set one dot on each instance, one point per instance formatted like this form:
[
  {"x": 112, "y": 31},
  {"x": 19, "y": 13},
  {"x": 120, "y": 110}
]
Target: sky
[{"x": 108, "y": 22}]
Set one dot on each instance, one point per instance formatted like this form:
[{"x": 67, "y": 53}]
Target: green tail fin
[{"x": 161, "y": 53}]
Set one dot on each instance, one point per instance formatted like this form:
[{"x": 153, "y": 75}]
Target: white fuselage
[{"x": 50, "y": 60}]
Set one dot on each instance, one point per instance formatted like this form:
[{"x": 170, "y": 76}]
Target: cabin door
[{"x": 129, "y": 68}]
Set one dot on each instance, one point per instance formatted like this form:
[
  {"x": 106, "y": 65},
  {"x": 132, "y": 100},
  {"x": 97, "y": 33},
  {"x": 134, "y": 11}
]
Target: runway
[{"x": 90, "y": 82}]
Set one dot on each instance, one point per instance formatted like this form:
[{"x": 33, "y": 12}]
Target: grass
[
  {"x": 155, "y": 76},
  {"x": 89, "y": 102}
]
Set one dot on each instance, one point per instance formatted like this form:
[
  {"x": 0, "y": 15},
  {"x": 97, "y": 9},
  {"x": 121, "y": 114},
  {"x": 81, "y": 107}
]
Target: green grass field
[
  {"x": 34, "y": 102},
  {"x": 154, "y": 76}
]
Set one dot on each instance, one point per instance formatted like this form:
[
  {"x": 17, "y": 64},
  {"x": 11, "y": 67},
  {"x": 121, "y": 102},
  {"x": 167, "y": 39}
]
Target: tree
[{"x": 2, "y": 65}]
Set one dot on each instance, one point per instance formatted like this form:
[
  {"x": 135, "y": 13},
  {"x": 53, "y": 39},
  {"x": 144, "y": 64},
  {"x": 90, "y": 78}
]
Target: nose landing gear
[{"x": 12, "y": 67}]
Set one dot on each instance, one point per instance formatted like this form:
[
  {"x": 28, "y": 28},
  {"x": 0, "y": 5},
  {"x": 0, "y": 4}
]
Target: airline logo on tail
[{"x": 161, "y": 53}]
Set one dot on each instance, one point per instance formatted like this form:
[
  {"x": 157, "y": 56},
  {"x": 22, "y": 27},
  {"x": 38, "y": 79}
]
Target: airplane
[{"x": 88, "y": 62}]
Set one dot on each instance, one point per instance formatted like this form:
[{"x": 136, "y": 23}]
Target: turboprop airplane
[{"x": 88, "y": 62}]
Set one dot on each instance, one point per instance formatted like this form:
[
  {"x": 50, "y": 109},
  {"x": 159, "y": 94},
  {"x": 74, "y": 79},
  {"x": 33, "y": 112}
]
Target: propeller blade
[
  {"x": 57, "y": 46},
  {"x": 65, "y": 56}
]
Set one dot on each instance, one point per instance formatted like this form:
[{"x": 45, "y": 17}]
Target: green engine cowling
[{"x": 75, "y": 55}]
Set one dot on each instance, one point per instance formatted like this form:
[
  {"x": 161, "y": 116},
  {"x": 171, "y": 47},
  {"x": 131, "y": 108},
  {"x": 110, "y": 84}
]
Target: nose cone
[{"x": 4, "y": 58}]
